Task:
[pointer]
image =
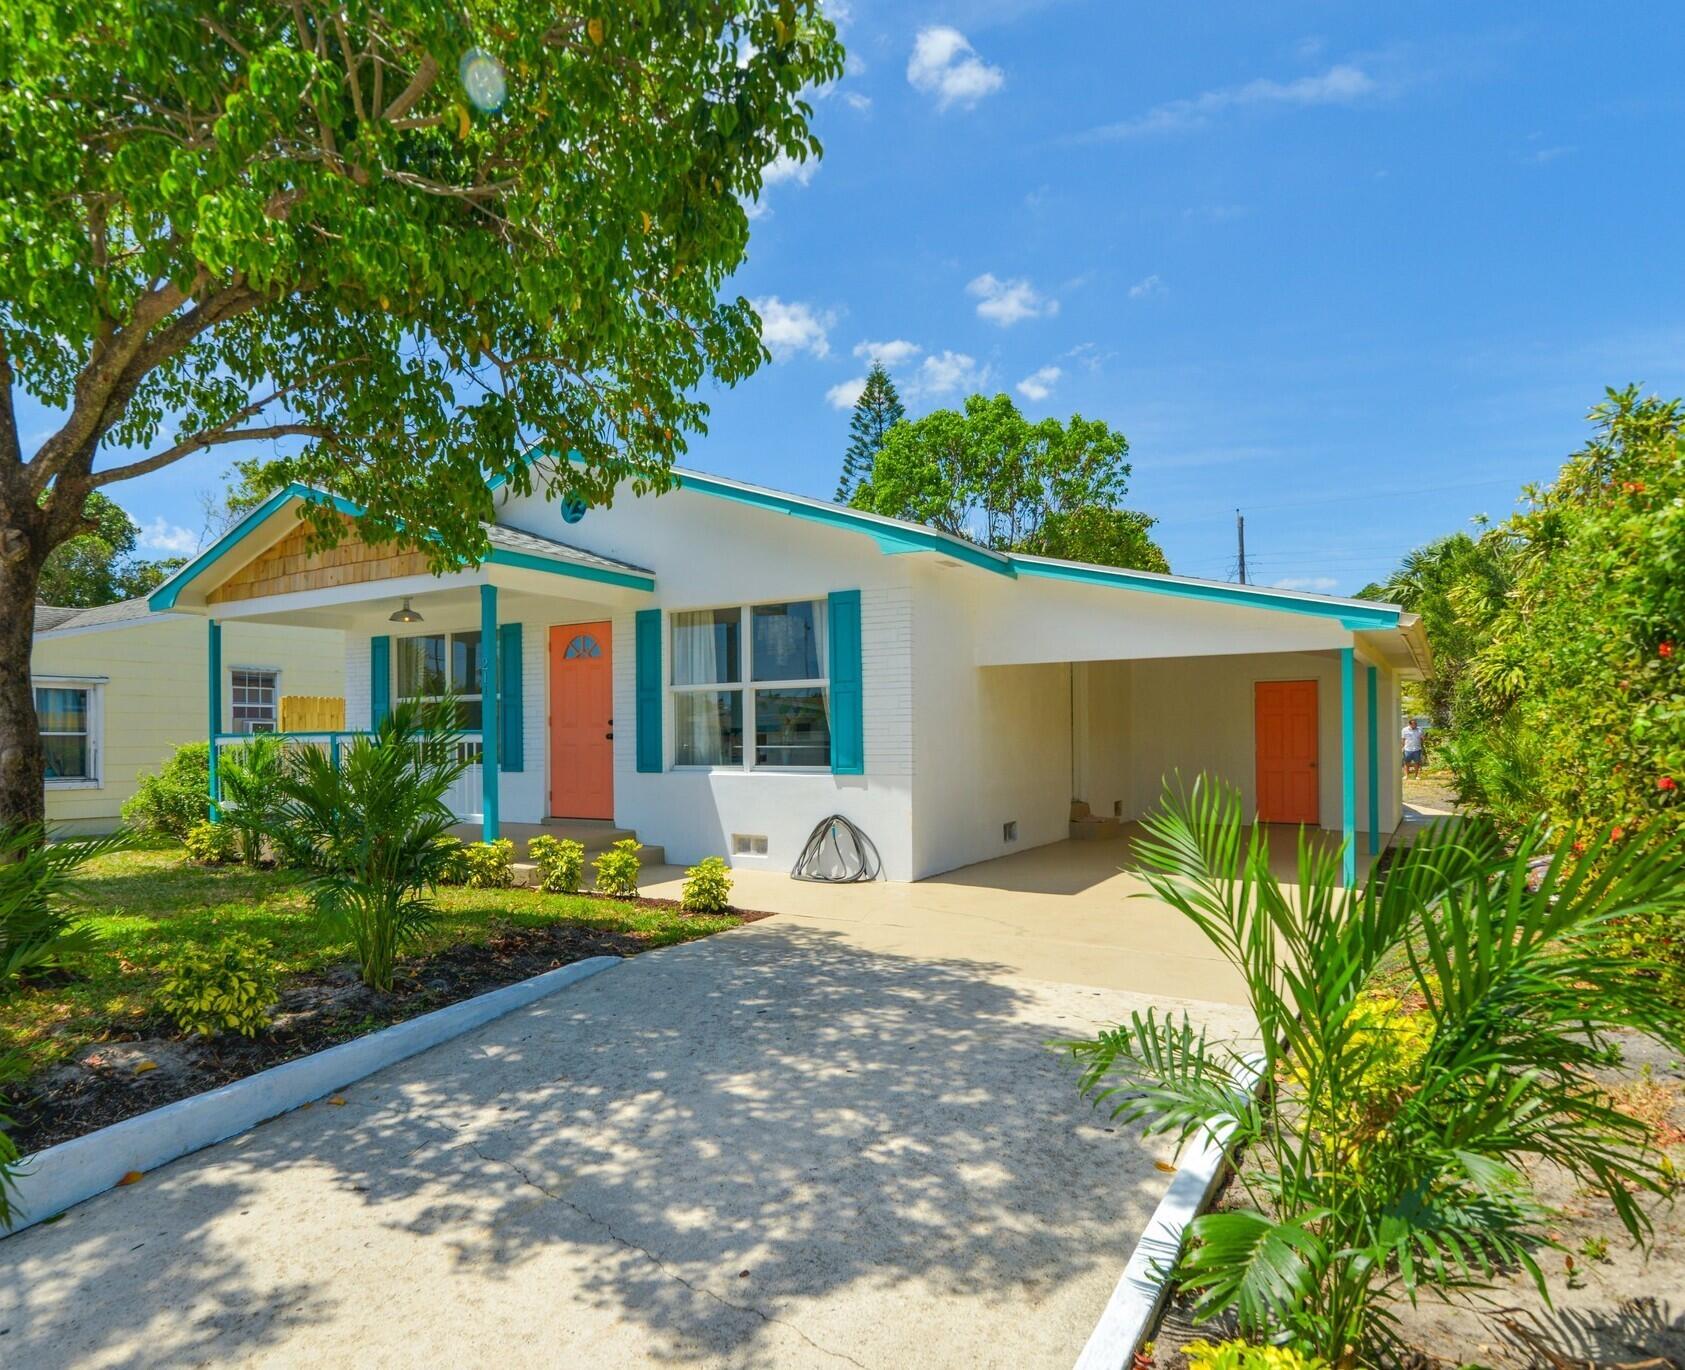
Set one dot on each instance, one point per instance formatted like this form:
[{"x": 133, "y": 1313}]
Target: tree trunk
[{"x": 22, "y": 764}]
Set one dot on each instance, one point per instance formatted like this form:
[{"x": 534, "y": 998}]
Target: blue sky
[{"x": 1358, "y": 270}]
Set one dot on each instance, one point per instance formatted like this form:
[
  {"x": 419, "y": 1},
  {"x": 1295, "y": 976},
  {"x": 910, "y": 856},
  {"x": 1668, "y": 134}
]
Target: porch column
[
  {"x": 488, "y": 711},
  {"x": 1371, "y": 686},
  {"x": 213, "y": 654},
  {"x": 1348, "y": 764}
]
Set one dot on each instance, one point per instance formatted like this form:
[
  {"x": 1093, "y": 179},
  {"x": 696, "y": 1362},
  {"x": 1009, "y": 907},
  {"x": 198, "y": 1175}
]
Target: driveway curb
[
  {"x": 79, "y": 1169},
  {"x": 1145, "y": 1283}
]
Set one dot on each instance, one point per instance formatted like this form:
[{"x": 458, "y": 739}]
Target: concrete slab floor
[{"x": 782, "y": 1146}]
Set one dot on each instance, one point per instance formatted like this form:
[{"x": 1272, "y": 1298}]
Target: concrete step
[
  {"x": 1092, "y": 828},
  {"x": 594, "y": 835}
]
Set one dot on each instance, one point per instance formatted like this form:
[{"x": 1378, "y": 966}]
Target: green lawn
[{"x": 148, "y": 904}]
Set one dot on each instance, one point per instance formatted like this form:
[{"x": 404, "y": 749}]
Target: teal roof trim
[
  {"x": 1358, "y": 617},
  {"x": 166, "y": 595}
]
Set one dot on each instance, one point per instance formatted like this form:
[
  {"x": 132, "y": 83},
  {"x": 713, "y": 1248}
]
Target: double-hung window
[
  {"x": 749, "y": 687},
  {"x": 68, "y": 716},
  {"x": 438, "y": 666},
  {"x": 253, "y": 696}
]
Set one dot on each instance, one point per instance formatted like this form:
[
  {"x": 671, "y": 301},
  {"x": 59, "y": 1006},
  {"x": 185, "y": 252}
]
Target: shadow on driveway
[{"x": 770, "y": 1147}]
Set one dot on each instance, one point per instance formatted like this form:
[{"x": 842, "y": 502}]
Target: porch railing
[{"x": 465, "y": 799}]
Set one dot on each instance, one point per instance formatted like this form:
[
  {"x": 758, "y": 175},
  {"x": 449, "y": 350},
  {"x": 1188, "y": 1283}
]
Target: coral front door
[
  {"x": 581, "y": 722},
  {"x": 1285, "y": 714}
]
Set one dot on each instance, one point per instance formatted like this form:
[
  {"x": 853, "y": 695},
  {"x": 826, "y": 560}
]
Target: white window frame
[
  {"x": 228, "y": 685},
  {"x": 748, "y": 685},
  {"x": 450, "y": 667},
  {"x": 94, "y": 688}
]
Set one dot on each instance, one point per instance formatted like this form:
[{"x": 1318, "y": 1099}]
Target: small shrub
[
  {"x": 175, "y": 799},
  {"x": 1383, "y": 1058},
  {"x": 231, "y": 986},
  {"x": 212, "y": 844},
  {"x": 560, "y": 862},
  {"x": 617, "y": 869},
  {"x": 249, "y": 778},
  {"x": 488, "y": 865},
  {"x": 707, "y": 887},
  {"x": 1241, "y": 1355}
]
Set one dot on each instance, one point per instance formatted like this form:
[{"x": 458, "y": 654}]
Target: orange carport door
[
  {"x": 581, "y": 725},
  {"x": 1285, "y": 714}
]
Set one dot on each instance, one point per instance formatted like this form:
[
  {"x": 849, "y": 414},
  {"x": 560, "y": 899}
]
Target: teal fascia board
[
  {"x": 1350, "y": 616},
  {"x": 165, "y": 596},
  {"x": 1374, "y": 758},
  {"x": 528, "y": 562}
]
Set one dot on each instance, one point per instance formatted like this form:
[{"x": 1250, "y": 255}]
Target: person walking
[{"x": 1415, "y": 747}]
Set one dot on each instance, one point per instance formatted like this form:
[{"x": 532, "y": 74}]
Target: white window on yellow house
[
  {"x": 68, "y": 715},
  {"x": 255, "y": 698}
]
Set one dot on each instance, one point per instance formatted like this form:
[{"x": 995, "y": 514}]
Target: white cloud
[
  {"x": 784, "y": 168},
  {"x": 1038, "y": 385},
  {"x": 1009, "y": 302},
  {"x": 1339, "y": 85},
  {"x": 790, "y": 328},
  {"x": 169, "y": 539},
  {"x": 944, "y": 372},
  {"x": 1322, "y": 585},
  {"x": 1147, "y": 285},
  {"x": 843, "y": 394},
  {"x": 892, "y": 354},
  {"x": 945, "y": 65},
  {"x": 855, "y": 100}
]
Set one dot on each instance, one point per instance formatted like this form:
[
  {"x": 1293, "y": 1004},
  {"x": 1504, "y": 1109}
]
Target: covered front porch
[{"x": 481, "y": 638}]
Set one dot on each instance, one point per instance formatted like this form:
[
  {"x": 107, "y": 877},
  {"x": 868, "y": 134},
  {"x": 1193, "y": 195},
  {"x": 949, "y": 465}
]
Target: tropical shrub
[
  {"x": 560, "y": 862},
  {"x": 12, "y": 1069},
  {"x": 249, "y": 778},
  {"x": 488, "y": 865},
  {"x": 617, "y": 869},
  {"x": 707, "y": 887},
  {"x": 1385, "y": 1162},
  {"x": 228, "y": 987},
  {"x": 1242, "y": 1355},
  {"x": 36, "y": 930},
  {"x": 212, "y": 844},
  {"x": 171, "y": 802},
  {"x": 372, "y": 830}
]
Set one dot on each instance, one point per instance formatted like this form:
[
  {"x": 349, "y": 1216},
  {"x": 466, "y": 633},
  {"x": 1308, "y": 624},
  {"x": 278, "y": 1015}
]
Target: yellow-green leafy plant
[
  {"x": 212, "y": 844},
  {"x": 707, "y": 887},
  {"x": 1244, "y": 1355},
  {"x": 617, "y": 869},
  {"x": 1391, "y": 1155},
  {"x": 226, "y": 988},
  {"x": 560, "y": 862},
  {"x": 38, "y": 916},
  {"x": 489, "y": 865}
]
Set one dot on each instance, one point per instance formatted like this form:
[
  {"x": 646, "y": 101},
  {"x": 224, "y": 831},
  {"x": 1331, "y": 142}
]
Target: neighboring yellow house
[{"x": 117, "y": 689}]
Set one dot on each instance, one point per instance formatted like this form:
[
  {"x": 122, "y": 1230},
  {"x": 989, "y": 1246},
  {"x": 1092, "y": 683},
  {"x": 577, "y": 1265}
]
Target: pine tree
[{"x": 876, "y": 411}]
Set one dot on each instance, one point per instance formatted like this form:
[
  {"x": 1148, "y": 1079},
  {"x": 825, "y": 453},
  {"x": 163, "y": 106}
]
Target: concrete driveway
[{"x": 787, "y": 1145}]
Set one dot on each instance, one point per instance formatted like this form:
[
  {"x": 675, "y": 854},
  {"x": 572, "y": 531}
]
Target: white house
[{"x": 723, "y": 666}]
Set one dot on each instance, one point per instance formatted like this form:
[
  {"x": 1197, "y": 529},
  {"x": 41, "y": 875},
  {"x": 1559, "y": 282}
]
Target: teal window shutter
[
  {"x": 848, "y": 705},
  {"x": 509, "y": 684},
  {"x": 648, "y": 634},
  {"x": 380, "y": 680}
]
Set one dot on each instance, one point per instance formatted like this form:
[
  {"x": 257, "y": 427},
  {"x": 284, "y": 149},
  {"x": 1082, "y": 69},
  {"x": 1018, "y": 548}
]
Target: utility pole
[{"x": 1240, "y": 534}]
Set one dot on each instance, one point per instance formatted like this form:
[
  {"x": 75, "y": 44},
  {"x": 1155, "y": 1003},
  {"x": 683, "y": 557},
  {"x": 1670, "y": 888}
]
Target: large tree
[
  {"x": 878, "y": 409},
  {"x": 414, "y": 239},
  {"x": 100, "y": 566},
  {"x": 987, "y": 473}
]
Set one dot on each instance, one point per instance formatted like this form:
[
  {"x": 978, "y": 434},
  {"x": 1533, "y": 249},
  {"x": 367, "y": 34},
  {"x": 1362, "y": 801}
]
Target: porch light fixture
[{"x": 406, "y": 614}]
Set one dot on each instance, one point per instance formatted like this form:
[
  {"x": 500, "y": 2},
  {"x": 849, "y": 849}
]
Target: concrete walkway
[
  {"x": 771, "y": 1148},
  {"x": 793, "y": 1144}
]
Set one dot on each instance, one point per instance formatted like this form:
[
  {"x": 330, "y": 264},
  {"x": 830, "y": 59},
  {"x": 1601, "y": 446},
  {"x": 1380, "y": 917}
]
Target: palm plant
[
  {"x": 250, "y": 778},
  {"x": 36, "y": 929},
  {"x": 371, "y": 827},
  {"x": 1381, "y": 1167}
]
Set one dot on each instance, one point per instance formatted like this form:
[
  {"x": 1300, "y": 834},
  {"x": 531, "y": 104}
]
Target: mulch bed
[{"x": 119, "y": 1078}]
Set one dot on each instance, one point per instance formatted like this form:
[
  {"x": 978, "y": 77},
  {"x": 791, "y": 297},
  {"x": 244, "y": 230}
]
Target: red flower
[
  {"x": 1616, "y": 833},
  {"x": 1664, "y": 649},
  {"x": 1667, "y": 782}
]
